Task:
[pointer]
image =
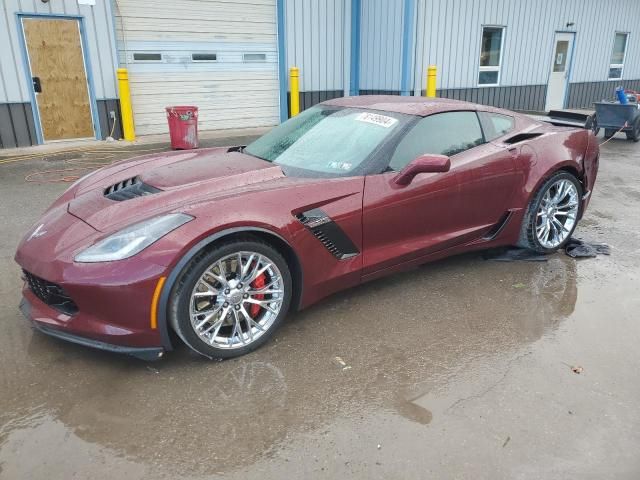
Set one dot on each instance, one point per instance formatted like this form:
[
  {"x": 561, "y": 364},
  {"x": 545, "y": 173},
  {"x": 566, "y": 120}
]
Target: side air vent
[
  {"x": 521, "y": 137},
  {"x": 329, "y": 233},
  {"x": 497, "y": 228},
  {"x": 128, "y": 189}
]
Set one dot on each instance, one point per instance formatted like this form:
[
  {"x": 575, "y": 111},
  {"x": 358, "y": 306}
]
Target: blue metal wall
[
  {"x": 381, "y": 46},
  {"x": 318, "y": 37}
]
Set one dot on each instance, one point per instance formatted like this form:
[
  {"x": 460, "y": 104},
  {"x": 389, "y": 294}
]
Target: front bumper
[
  {"x": 111, "y": 301},
  {"x": 144, "y": 353}
]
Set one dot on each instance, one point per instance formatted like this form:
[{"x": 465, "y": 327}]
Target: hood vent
[
  {"x": 128, "y": 189},
  {"x": 329, "y": 233}
]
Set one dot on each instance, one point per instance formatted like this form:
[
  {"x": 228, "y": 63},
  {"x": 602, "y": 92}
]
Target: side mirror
[{"x": 429, "y": 163}]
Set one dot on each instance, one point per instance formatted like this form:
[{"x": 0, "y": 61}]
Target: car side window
[
  {"x": 496, "y": 124},
  {"x": 442, "y": 133}
]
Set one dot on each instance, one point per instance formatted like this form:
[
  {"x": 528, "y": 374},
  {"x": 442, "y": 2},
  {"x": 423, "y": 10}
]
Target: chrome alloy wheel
[
  {"x": 236, "y": 300},
  {"x": 557, "y": 213}
]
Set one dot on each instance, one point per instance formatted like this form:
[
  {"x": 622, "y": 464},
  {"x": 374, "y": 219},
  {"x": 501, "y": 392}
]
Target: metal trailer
[{"x": 617, "y": 117}]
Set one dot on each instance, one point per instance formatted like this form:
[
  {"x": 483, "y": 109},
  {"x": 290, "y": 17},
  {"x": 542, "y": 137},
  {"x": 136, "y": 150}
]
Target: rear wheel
[
  {"x": 230, "y": 300},
  {"x": 635, "y": 133},
  {"x": 552, "y": 214}
]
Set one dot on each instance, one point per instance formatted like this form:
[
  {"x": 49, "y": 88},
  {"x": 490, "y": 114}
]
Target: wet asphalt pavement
[{"x": 457, "y": 369}]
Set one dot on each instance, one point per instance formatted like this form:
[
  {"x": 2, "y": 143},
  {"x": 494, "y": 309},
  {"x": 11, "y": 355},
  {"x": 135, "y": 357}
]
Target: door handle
[{"x": 37, "y": 87}]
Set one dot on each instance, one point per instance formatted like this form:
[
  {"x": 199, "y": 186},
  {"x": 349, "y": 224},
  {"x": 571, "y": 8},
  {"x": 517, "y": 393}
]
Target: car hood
[{"x": 175, "y": 178}]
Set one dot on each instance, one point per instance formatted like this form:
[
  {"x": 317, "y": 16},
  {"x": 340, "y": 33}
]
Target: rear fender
[
  {"x": 561, "y": 150},
  {"x": 591, "y": 162}
]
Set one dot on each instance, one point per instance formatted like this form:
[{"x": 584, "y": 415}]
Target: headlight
[{"x": 133, "y": 239}]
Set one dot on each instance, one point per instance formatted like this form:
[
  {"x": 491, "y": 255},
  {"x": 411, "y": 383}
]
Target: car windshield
[{"x": 326, "y": 140}]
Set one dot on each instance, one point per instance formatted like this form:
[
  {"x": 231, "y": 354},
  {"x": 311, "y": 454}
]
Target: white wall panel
[
  {"x": 193, "y": 20},
  {"x": 449, "y": 36},
  {"x": 223, "y": 102}
]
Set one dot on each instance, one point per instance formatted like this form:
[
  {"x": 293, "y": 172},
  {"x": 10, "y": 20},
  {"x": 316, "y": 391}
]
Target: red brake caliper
[{"x": 257, "y": 284}]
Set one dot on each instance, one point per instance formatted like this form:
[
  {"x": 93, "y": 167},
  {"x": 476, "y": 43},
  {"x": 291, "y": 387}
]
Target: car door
[
  {"x": 487, "y": 179},
  {"x": 438, "y": 210},
  {"x": 491, "y": 172}
]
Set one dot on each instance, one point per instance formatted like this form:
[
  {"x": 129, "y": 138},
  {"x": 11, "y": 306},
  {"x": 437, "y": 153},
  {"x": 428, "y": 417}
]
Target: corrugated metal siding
[
  {"x": 582, "y": 95},
  {"x": 16, "y": 125},
  {"x": 596, "y": 25},
  {"x": 107, "y": 126},
  {"x": 14, "y": 85},
  {"x": 309, "y": 99},
  {"x": 381, "y": 45},
  {"x": 230, "y": 92},
  {"x": 318, "y": 39},
  {"x": 529, "y": 98},
  {"x": 449, "y": 36}
]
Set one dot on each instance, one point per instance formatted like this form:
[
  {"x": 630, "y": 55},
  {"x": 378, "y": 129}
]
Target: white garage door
[{"x": 218, "y": 55}]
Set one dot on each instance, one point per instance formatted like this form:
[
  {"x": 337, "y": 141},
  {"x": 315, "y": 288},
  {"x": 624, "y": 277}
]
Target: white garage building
[{"x": 58, "y": 58}]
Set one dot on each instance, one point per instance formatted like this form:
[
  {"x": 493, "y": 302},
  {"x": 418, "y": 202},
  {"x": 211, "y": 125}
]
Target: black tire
[
  {"x": 180, "y": 298},
  {"x": 528, "y": 238},
  {"x": 609, "y": 132},
  {"x": 635, "y": 133}
]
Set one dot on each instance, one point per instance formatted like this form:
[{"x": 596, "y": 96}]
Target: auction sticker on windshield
[{"x": 377, "y": 119}]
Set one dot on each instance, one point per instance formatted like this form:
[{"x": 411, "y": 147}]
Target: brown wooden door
[{"x": 55, "y": 57}]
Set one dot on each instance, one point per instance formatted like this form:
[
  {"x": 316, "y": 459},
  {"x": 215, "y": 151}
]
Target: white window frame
[
  {"x": 624, "y": 56},
  {"x": 495, "y": 68}
]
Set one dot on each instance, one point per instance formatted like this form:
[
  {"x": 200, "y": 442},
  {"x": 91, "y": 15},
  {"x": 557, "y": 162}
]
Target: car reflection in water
[{"x": 403, "y": 338}]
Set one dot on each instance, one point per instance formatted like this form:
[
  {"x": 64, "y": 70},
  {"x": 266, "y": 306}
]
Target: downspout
[
  {"x": 354, "y": 86},
  {"x": 282, "y": 60},
  {"x": 407, "y": 47}
]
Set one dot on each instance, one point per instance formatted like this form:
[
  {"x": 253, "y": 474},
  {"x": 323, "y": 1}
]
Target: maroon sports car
[{"x": 218, "y": 244}]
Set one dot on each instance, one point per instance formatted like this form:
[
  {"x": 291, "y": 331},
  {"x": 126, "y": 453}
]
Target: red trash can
[{"x": 183, "y": 127}]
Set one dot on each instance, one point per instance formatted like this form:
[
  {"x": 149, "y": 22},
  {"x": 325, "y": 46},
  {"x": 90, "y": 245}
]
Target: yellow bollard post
[
  {"x": 294, "y": 86},
  {"x": 431, "y": 81},
  {"x": 125, "y": 105}
]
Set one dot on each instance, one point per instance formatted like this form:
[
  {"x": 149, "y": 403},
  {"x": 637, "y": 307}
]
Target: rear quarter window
[{"x": 496, "y": 124}]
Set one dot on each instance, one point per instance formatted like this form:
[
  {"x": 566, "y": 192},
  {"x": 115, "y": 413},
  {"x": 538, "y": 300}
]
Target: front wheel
[
  {"x": 552, "y": 214},
  {"x": 230, "y": 300}
]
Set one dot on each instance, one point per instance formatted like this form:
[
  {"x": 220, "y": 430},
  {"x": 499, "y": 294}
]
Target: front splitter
[{"x": 143, "y": 353}]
